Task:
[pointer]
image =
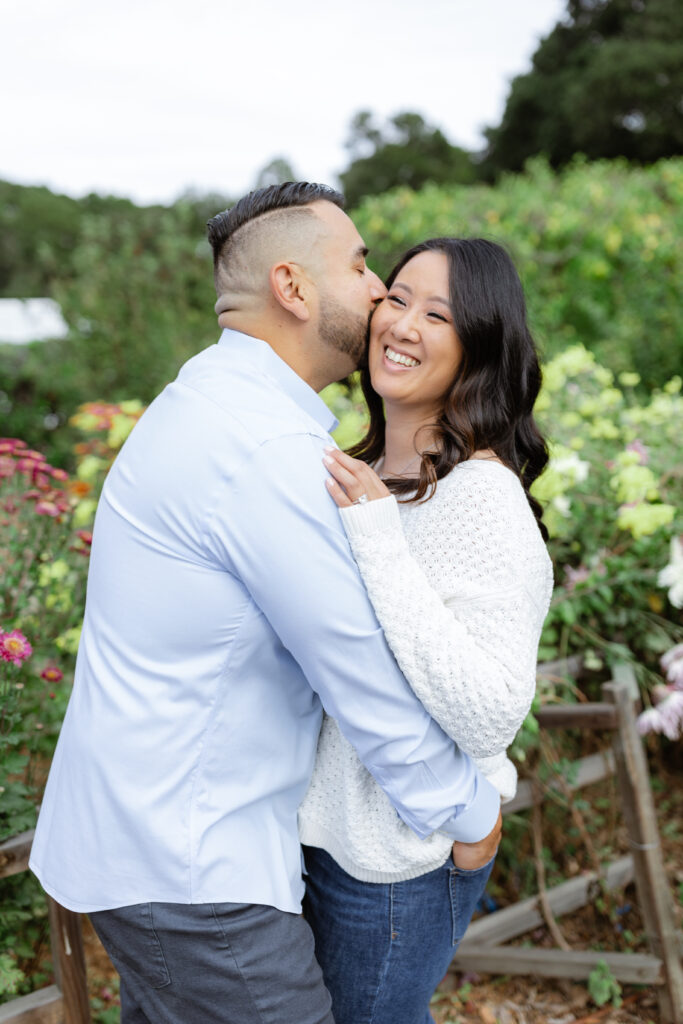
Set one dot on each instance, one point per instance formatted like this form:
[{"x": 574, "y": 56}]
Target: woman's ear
[{"x": 291, "y": 289}]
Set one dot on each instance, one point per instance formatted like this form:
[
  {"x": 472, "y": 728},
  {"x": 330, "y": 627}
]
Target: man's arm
[{"x": 280, "y": 533}]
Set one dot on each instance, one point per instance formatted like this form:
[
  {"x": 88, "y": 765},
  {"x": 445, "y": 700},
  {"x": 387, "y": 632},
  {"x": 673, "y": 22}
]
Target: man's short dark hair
[{"x": 265, "y": 200}]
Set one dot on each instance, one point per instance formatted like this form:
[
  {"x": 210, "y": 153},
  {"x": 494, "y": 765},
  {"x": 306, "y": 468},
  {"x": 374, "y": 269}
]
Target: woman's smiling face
[{"x": 414, "y": 349}]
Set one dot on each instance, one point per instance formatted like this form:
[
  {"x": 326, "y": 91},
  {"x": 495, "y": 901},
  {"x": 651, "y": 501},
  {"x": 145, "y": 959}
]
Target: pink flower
[
  {"x": 7, "y": 466},
  {"x": 10, "y": 444},
  {"x": 576, "y": 576},
  {"x": 52, "y": 674},
  {"x": 59, "y": 474},
  {"x": 47, "y": 508},
  {"x": 641, "y": 450},
  {"x": 671, "y": 715},
  {"x": 649, "y": 721},
  {"x": 672, "y": 665},
  {"x": 85, "y": 536},
  {"x": 14, "y": 647}
]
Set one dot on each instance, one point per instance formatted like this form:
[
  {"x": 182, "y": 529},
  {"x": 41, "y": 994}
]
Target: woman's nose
[{"x": 405, "y": 327}]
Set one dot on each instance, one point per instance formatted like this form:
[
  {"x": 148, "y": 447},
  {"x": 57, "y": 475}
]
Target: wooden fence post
[
  {"x": 641, "y": 822},
  {"x": 68, "y": 957}
]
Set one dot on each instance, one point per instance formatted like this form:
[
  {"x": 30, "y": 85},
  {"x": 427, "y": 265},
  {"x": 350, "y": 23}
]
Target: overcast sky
[{"x": 149, "y": 98}]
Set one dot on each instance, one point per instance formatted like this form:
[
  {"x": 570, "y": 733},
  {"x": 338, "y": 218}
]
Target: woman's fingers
[
  {"x": 348, "y": 478},
  {"x": 354, "y": 476},
  {"x": 340, "y": 496}
]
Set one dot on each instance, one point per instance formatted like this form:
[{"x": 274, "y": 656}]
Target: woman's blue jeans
[{"x": 384, "y": 948}]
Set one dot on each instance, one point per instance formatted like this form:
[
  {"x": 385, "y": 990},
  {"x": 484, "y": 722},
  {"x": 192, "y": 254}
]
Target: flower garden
[{"x": 613, "y": 498}]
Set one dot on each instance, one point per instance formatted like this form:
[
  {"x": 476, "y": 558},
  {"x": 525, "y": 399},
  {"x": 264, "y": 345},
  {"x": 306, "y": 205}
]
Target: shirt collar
[{"x": 261, "y": 355}]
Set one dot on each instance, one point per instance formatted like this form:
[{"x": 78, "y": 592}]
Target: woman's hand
[
  {"x": 351, "y": 481},
  {"x": 471, "y": 856}
]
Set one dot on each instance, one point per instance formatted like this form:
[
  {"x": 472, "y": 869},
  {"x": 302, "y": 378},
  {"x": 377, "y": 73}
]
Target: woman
[{"x": 451, "y": 548}]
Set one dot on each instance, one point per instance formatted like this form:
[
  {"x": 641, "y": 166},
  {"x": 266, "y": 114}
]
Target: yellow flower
[
  {"x": 629, "y": 380},
  {"x": 643, "y": 519},
  {"x": 69, "y": 640}
]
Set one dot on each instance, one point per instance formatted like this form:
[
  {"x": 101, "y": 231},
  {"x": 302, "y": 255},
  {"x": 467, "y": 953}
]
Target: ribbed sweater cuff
[{"x": 373, "y": 517}]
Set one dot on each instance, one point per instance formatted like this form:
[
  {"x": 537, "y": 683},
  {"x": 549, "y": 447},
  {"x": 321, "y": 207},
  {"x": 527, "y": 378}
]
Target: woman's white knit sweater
[{"x": 461, "y": 585}]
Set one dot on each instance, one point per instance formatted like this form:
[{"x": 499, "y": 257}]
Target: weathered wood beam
[
  {"x": 14, "y": 854},
  {"x": 524, "y": 916},
  {"x": 654, "y": 895},
  {"x": 42, "y": 1007},
  {"x": 585, "y": 771},
  {"x": 576, "y": 716},
  {"x": 632, "y": 968}
]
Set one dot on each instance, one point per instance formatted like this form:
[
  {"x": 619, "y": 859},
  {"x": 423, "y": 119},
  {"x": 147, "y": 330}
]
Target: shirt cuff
[
  {"x": 477, "y": 820},
  {"x": 372, "y": 517}
]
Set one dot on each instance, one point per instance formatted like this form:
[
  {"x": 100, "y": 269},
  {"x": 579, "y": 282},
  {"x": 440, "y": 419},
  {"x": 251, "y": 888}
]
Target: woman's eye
[
  {"x": 438, "y": 316},
  {"x": 396, "y": 299}
]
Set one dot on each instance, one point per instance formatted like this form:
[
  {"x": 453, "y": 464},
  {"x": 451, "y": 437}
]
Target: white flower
[
  {"x": 562, "y": 503},
  {"x": 671, "y": 575},
  {"x": 569, "y": 464}
]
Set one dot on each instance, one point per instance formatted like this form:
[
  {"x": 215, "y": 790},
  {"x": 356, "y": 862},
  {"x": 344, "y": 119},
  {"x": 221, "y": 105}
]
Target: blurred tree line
[{"x": 135, "y": 283}]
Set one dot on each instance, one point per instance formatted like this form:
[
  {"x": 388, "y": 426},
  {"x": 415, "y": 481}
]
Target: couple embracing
[{"x": 300, "y": 668}]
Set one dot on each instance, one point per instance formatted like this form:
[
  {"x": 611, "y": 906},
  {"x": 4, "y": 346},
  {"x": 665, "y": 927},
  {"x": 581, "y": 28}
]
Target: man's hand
[{"x": 471, "y": 856}]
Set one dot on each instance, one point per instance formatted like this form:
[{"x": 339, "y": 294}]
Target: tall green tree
[
  {"x": 275, "y": 172},
  {"x": 406, "y": 150},
  {"x": 606, "y": 82}
]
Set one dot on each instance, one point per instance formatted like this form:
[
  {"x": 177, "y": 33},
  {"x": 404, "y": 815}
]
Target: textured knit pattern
[{"x": 461, "y": 585}]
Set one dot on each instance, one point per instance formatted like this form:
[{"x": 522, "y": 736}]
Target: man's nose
[{"x": 377, "y": 289}]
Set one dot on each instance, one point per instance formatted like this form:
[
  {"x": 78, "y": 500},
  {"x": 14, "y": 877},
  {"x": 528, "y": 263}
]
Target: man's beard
[{"x": 344, "y": 331}]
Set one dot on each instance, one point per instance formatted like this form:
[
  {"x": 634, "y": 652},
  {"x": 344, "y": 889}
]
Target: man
[{"x": 223, "y": 607}]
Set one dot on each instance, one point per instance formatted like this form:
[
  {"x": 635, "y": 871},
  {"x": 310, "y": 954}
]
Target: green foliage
[
  {"x": 10, "y": 975},
  {"x": 603, "y": 986},
  {"x": 138, "y": 298},
  {"x": 606, "y": 82},
  {"x": 406, "y": 151},
  {"x": 597, "y": 247},
  {"x": 140, "y": 302},
  {"x": 612, "y": 501}
]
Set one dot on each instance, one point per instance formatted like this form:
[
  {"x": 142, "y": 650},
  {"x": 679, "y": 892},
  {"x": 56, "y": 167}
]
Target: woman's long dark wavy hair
[{"x": 491, "y": 400}]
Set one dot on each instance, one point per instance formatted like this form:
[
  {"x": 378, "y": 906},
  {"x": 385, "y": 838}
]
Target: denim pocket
[
  {"x": 129, "y": 936},
  {"x": 466, "y": 889}
]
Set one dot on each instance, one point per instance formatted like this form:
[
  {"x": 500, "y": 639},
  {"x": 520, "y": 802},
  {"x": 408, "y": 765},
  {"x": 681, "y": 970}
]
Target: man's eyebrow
[
  {"x": 361, "y": 252},
  {"x": 430, "y": 298}
]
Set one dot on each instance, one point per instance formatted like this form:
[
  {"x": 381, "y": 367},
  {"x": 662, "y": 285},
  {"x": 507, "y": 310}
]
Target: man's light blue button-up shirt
[{"x": 223, "y": 607}]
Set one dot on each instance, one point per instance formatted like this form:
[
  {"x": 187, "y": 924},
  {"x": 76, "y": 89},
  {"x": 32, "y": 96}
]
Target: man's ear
[{"x": 291, "y": 289}]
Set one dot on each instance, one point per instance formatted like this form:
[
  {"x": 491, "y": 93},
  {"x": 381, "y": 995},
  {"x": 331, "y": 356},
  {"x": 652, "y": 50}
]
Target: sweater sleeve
[{"x": 478, "y": 688}]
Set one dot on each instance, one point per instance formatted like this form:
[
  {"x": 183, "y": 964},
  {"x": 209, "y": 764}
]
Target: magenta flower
[
  {"x": 14, "y": 647},
  {"x": 52, "y": 674}
]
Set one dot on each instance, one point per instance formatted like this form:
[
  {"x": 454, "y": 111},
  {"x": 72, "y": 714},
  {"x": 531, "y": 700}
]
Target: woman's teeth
[{"x": 397, "y": 357}]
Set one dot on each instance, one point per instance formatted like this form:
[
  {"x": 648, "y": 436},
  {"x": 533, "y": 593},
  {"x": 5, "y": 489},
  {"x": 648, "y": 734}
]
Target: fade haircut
[{"x": 290, "y": 196}]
